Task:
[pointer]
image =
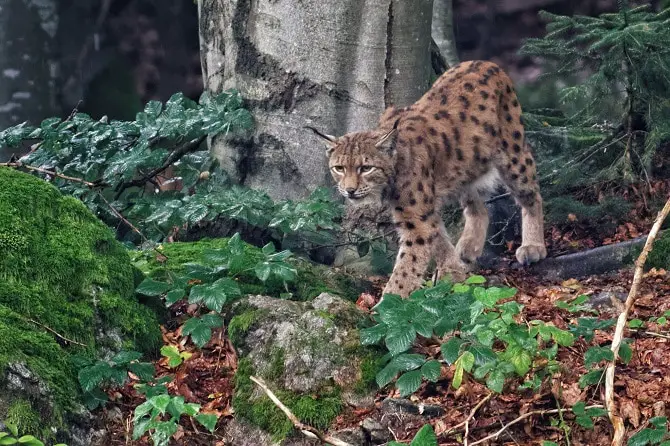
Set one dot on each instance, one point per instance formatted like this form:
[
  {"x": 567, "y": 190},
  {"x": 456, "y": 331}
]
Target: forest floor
[{"x": 642, "y": 386}]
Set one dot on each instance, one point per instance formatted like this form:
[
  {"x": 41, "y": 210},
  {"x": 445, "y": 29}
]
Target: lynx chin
[{"x": 462, "y": 137}]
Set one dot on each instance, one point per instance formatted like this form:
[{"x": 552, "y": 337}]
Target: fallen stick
[
  {"x": 500, "y": 431},
  {"x": 467, "y": 420},
  {"x": 617, "y": 421},
  {"x": 308, "y": 431}
]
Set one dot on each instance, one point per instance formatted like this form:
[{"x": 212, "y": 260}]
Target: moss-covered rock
[
  {"x": 313, "y": 279},
  {"x": 61, "y": 269},
  {"x": 308, "y": 353}
]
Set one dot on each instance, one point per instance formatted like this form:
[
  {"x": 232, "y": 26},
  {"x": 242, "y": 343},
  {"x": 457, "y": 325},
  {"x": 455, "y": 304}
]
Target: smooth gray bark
[
  {"x": 324, "y": 64},
  {"x": 27, "y": 66},
  {"x": 443, "y": 30}
]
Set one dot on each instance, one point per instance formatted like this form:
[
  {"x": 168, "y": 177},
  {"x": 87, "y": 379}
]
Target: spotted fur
[{"x": 464, "y": 135}]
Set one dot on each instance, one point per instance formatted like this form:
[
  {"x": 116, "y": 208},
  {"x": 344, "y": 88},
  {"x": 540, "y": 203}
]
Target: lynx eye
[
  {"x": 366, "y": 169},
  {"x": 338, "y": 169}
]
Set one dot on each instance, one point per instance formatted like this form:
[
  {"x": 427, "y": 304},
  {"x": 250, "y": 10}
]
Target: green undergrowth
[
  {"x": 318, "y": 412},
  {"x": 61, "y": 268},
  {"x": 312, "y": 280}
]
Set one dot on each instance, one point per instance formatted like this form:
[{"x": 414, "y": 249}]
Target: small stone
[
  {"x": 354, "y": 436},
  {"x": 378, "y": 434}
]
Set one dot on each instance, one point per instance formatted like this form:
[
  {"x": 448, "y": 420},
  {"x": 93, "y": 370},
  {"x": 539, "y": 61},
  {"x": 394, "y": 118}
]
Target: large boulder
[
  {"x": 308, "y": 353},
  {"x": 66, "y": 294}
]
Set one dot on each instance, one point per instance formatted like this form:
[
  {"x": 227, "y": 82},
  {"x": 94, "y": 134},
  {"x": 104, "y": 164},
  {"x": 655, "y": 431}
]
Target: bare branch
[
  {"x": 20, "y": 165},
  {"x": 308, "y": 431},
  {"x": 467, "y": 420},
  {"x": 617, "y": 421},
  {"x": 55, "y": 333}
]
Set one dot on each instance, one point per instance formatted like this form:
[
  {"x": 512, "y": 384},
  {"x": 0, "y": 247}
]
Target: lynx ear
[
  {"x": 388, "y": 141},
  {"x": 330, "y": 140}
]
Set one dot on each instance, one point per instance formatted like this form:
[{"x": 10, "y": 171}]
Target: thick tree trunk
[
  {"x": 27, "y": 65},
  {"x": 443, "y": 30},
  {"x": 331, "y": 65}
]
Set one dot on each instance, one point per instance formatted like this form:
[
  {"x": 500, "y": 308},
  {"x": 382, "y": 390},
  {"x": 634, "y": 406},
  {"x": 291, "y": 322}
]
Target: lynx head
[{"x": 361, "y": 163}]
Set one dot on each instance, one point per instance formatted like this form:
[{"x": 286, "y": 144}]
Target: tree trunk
[
  {"x": 443, "y": 30},
  {"x": 27, "y": 65},
  {"x": 331, "y": 65}
]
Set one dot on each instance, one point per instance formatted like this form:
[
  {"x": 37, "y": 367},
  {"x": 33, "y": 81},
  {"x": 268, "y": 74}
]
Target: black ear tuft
[
  {"x": 388, "y": 141},
  {"x": 330, "y": 140}
]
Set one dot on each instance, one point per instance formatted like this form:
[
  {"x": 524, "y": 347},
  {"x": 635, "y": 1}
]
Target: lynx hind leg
[
  {"x": 471, "y": 243},
  {"x": 519, "y": 174}
]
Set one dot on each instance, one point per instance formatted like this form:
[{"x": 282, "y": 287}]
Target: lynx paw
[
  {"x": 528, "y": 254},
  {"x": 468, "y": 250}
]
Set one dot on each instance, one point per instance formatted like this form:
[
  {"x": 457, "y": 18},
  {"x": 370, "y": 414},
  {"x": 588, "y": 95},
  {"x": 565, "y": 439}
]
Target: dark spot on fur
[
  {"x": 515, "y": 160},
  {"x": 524, "y": 180},
  {"x": 419, "y": 186},
  {"x": 459, "y": 154},
  {"x": 509, "y": 89},
  {"x": 419, "y": 139},
  {"x": 409, "y": 243},
  {"x": 462, "y": 116},
  {"x": 474, "y": 119},
  {"x": 432, "y": 131},
  {"x": 516, "y": 148},
  {"x": 522, "y": 169},
  {"x": 436, "y": 116},
  {"x": 515, "y": 103},
  {"x": 508, "y": 117},
  {"x": 444, "y": 100},
  {"x": 505, "y": 144},
  {"x": 476, "y": 139},
  {"x": 416, "y": 118},
  {"x": 484, "y": 94},
  {"x": 505, "y": 107},
  {"x": 399, "y": 208},
  {"x": 420, "y": 241},
  {"x": 529, "y": 161},
  {"x": 515, "y": 176},
  {"x": 425, "y": 216},
  {"x": 413, "y": 258},
  {"x": 482, "y": 107},
  {"x": 465, "y": 101},
  {"x": 516, "y": 134},
  {"x": 409, "y": 225},
  {"x": 468, "y": 86},
  {"x": 411, "y": 128},
  {"x": 412, "y": 201}
]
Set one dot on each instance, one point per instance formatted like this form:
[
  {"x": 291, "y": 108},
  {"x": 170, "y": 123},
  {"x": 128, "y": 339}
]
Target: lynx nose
[{"x": 351, "y": 191}]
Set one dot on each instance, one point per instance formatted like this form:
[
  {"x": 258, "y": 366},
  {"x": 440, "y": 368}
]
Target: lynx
[{"x": 463, "y": 136}]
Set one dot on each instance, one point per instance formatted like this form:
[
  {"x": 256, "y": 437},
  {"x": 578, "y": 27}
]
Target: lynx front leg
[
  {"x": 471, "y": 243},
  {"x": 419, "y": 232}
]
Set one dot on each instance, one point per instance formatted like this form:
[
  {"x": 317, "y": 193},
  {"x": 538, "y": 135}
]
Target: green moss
[
  {"x": 62, "y": 268},
  {"x": 659, "y": 257},
  {"x": 319, "y": 411},
  {"x": 371, "y": 364},
  {"x": 22, "y": 415},
  {"x": 312, "y": 280},
  {"x": 276, "y": 368},
  {"x": 239, "y": 325}
]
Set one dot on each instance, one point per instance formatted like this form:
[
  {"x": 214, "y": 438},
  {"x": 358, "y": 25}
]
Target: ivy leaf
[
  {"x": 409, "y": 382},
  {"x": 207, "y": 420},
  {"x": 160, "y": 402},
  {"x": 150, "y": 287}
]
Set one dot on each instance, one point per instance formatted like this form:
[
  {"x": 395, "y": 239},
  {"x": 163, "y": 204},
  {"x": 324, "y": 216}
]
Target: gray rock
[
  {"x": 354, "y": 436},
  {"x": 377, "y": 433}
]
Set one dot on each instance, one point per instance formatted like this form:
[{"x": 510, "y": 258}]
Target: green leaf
[
  {"x": 647, "y": 437},
  {"x": 548, "y": 443},
  {"x": 409, "y": 382},
  {"x": 144, "y": 370},
  {"x": 200, "y": 329},
  {"x": 207, "y": 420},
  {"x": 125, "y": 357},
  {"x": 635, "y": 323},
  {"x": 142, "y": 410},
  {"x": 431, "y": 370},
  {"x": 483, "y": 354},
  {"x": 30, "y": 441},
  {"x": 7, "y": 441},
  {"x": 150, "y": 287},
  {"x": 172, "y": 353},
  {"x": 519, "y": 358},
  {"x": 596, "y": 354},
  {"x": 464, "y": 362},
  {"x": 591, "y": 378},
  {"x": 496, "y": 381},
  {"x": 451, "y": 349},
  {"x": 174, "y": 295},
  {"x": 475, "y": 280},
  {"x": 386, "y": 375},
  {"x": 400, "y": 338},
  {"x": 406, "y": 361},
  {"x": 425, "y": 437},
  {"x": 160, "y": 402},
  {"x": 372, "y": 335}
]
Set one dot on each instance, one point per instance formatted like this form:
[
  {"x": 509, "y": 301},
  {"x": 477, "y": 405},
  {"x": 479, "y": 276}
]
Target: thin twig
[
  {"x": 500, "y": 431},
  {"x": 55, "y": 333},
  {"x": 122, "y": 218},
  {"x": 617, "y": 421},
  {"x": 308, "y": 431},
  {"x": 467, "y": 420},
  {"x": 658, "y": 335},
  {"x": 20, "y": 165}
]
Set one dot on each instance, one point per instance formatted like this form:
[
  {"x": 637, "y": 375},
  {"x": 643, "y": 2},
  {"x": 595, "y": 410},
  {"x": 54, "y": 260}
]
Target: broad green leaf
[
  {"x": 160, "y": 402},
  {"x": 431, "y": 370},
  {"x": 407, "y": 361},
  {"x": 482, "y": 354},
  {"x": 386, "y": 375},
  {"x": 647, "y": 437},
  {"x": 199, "y": 330},
  {"x": 144, "y": 370},
  {"x": 475, "y": 280},
  {"x": 174, "y": 295},
  {"x": 172, "y": 353},
  {"x": 409, "y": 382},
  {"x": 30, "y": 440},
  {"x": 425, "y": 437},
  {"x": 625, "y": 352},
  {"x": 125, "y": 357},
  {"x": 8, "y": 440},
  {"x": 400, "y": 339},
  {"x": 373, "y": 335},
  {"x": 596, "y": 354},
  {"x": 451, "y": 349},
  {"x": 635, "y": 323},
  {"x": 591, "y": 378},
  {"x": 519, "y": 358},
  {"x": 142, "y": 410},
  {"x": 496, "y": 381}
]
